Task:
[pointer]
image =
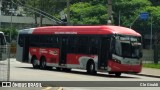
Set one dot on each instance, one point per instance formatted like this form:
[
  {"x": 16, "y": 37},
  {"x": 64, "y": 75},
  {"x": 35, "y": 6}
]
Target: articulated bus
[
  {"x": 3, "y": 47},
  {"x": 112, "y": 49}
]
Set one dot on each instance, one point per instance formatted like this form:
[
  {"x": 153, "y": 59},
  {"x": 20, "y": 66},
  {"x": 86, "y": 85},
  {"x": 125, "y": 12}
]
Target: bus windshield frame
[{"x": 127, "y": 46}]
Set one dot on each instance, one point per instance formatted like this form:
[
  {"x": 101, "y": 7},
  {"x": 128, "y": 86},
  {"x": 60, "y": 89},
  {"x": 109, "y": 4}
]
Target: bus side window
[
  {"x": 83, "y": 45},
  {"x": 54, "y": 41},
  {"x": 72, "y": 45},
  {"x": 113, "y": 47},
  {"x": 43, "y": 41},
  {"x": 93, "y": 45},
  {"x": 34, "y": 40},
  {"x": 21, "y": 40}
]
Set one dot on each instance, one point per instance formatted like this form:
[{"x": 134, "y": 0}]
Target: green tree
[
  {"x": 155, "y": 2},
  {"x": 129, "y": 10},
  {"x": 154, "y": 13},
  {"x": 8, "y": 31},
  {"x": 7, "y": 8},
  {"x": 85, "y": 13},
  {"x": 92, "y": 2},
  {"x": 39, "y": 8},
  {"x": 95, "y": 11}
]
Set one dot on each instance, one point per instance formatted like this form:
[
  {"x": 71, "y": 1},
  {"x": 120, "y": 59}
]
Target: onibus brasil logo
[{"x": 21, "y": 84}]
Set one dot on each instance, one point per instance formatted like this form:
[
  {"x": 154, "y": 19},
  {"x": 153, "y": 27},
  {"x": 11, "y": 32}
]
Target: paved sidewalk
[{"x": 150, "y": 72}]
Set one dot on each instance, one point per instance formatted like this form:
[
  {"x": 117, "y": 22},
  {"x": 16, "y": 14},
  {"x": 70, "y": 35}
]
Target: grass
[{"x": 151, "y": 65}]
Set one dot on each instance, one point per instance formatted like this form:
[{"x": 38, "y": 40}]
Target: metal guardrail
[
  {"x": 3, "y": 71},
  {"x": 151, "y": 55},
  {"x": 4, "y": 63}
]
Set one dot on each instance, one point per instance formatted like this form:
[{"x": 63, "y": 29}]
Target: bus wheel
[
  {"x": 118, "y": 74},
  {"x": 34, "y": 63},
  {"x": 91, "y": 68},
  {"x": 43, "y": 63}
]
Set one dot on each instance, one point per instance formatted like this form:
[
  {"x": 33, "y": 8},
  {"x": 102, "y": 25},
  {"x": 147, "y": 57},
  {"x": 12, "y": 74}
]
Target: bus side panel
[
  {"x": 80, "y": 60},
  {"x": 33, "y": 51},
  {"x": 19, "y": 48},
  {"x": 51, "y": 54},
  {"x": 72, "y": 59},
  {"x": 19, "y": 53}
]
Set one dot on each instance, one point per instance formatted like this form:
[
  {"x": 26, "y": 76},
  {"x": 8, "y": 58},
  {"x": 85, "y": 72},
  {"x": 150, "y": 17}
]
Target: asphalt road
[{"x": 25, "y": 72}]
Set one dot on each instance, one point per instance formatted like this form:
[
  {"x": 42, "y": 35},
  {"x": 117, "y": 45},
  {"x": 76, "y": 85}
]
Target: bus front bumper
[{"x": 117, "y": 67}]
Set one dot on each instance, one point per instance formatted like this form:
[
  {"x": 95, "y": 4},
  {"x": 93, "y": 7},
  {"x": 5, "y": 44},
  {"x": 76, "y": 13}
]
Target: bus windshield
[{"x": 127, "y": 46}]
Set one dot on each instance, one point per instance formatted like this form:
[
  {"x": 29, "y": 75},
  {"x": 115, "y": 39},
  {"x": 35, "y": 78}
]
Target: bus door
[
  {"x": 63, "y": 51},
  {"x": 25, "y": 56},
  {"x": 104, "y": 53}
]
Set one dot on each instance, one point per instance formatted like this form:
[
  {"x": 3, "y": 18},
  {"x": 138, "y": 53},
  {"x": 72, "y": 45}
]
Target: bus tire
[
  {"x": 118, "y": 74},
  {"x": 34, "y": 62},
  {"x": 43, "y": 63},
  {"x": 91, "y": 68}
]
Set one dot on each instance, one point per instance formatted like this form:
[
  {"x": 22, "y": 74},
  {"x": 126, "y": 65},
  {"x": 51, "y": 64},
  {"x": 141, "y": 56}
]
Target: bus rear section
[
  {"x": 3, "y": 47},
  {"x": 22, "y": 49},
  {"x": 81, "y": 49}
]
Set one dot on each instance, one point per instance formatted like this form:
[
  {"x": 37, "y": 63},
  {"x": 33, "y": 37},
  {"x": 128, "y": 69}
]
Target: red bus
[{"x": 112, "y": 49}]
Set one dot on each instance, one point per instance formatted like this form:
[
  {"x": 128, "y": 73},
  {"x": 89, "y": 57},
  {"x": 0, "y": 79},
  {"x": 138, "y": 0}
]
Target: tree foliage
[
  {"x": 51, "y": 7},
  {"x": 128, "y": 10},
  {"x": 8, "y": 31},
  {"x": 85, "y": 13},
  {"x": 8, "y": 8},
  {"x": 155, "y": 2},
  {"x": 95, "y": 11}
]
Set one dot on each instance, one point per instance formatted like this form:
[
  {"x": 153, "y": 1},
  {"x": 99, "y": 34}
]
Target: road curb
[
  {"x": 53, "y": 88},
  {"x": 147, "y": 75},
  {"x": 60, "y": 88},
  {"x": 47, "y": 88}
]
